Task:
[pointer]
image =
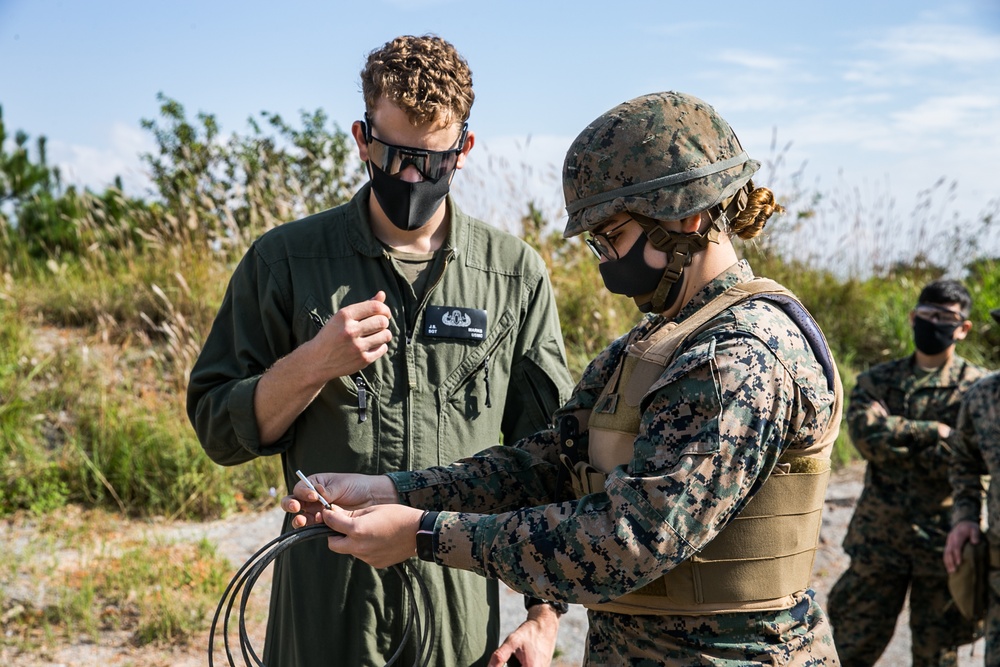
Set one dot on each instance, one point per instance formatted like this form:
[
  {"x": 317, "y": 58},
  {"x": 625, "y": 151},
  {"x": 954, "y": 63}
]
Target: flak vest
[{"x": 765, "y": 555}]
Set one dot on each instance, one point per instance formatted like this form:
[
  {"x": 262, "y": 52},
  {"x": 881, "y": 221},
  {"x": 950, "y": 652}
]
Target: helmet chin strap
[{"x": 679, "y": 248}]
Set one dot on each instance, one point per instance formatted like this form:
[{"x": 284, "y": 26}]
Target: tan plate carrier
[{"x": 766, "y": 553}]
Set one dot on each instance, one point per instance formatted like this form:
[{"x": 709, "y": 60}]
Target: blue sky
[{"x": 871, "y": 102}]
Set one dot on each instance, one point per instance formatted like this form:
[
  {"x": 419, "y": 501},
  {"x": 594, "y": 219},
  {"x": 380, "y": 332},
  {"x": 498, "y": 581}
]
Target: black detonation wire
[{"x": 246, "y": 577}]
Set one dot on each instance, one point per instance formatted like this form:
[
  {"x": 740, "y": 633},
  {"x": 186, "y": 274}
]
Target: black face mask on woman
[
  {"x": 933, "y": 338},
  {"x": 629, "y": 274},
  {"x": 408, "y": 205}
]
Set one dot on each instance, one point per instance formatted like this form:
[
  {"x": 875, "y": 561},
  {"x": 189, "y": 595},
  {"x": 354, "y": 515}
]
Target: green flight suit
[{"x": 429, "y": 400}]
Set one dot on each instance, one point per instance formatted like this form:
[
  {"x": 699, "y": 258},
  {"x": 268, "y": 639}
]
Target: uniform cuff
[
  {"x": 925, "y": 433},
  {"x": 459, "y": 540},
  {"x": 244, "y": 420}
]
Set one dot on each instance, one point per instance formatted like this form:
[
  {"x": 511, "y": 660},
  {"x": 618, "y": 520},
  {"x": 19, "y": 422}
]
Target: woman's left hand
[{"x": 381, "y": 535}]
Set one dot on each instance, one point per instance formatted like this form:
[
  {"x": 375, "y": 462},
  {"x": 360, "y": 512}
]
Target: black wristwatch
[
  {"x": 559, "y": 607},
  {"x": 425, "y": 536}
]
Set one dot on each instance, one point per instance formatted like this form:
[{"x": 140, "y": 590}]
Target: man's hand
[
  {"x": 533, "y": 642},
  {"x": 354, "y": 337},
  {"x": 964, "y": 531},
  {"x": 347, "y": 490}
]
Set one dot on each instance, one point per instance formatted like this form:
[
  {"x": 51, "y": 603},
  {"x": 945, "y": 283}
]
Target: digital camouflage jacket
[
  {"x": 893, "y": 416},
  {"x": 977, "y": 453}
]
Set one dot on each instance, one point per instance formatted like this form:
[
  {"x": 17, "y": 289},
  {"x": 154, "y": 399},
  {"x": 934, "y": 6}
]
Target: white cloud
[
  {"x": 97, "y": 168},
  {"x": 754, "y": 61},
  {"x": 924, "y": 44},
  {"x": 960, "y": 114}
]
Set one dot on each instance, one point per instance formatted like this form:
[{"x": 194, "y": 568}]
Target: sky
[{"x": 873, "y": 105}]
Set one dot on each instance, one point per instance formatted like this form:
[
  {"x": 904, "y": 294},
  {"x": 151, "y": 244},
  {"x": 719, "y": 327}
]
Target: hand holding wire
[{"x": 380, "y": 536}]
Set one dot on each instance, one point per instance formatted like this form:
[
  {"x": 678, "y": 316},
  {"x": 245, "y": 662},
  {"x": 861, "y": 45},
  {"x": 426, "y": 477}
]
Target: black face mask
[
  {"x": 630, "y": 275},
  {"x": 408, "y": 205},
  {"x": 931, "y": 338}
]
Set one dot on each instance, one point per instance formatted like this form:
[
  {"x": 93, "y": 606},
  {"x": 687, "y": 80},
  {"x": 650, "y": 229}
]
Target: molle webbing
[{"x": 766, "y": 553}]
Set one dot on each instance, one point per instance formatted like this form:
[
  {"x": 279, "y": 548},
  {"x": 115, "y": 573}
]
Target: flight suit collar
[{"x": 364, "y": 241}]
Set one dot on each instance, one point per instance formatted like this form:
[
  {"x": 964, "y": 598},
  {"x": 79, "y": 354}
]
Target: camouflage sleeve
[
  {"x": 712, "y": 426},
  {"x": 967, "y": 464},
  {"x": 880, "y": 437},
  {"x": 501, "y": 478}
]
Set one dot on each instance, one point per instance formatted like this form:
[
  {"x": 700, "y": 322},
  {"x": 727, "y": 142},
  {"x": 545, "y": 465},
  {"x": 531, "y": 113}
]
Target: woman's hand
[
  {"x": 347, "y": 490},
  {"x": 381, "y": 535}
]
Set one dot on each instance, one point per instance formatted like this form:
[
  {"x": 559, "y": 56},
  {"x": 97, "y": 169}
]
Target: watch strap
[
  {"x": 426, "y": 537},
  {"x": 559, "y": 607}
]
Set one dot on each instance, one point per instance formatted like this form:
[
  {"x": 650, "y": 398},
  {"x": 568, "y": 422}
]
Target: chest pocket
[
  {"x": 478, "y": 360},
  {"x": 359, "y": 390}
]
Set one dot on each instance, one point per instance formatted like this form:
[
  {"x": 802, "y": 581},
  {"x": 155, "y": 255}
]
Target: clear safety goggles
[{"x": 938, "y": 314}]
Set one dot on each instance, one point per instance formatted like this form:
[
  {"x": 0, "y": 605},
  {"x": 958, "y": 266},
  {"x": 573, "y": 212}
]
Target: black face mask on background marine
[{"x": 933, "y": 337}]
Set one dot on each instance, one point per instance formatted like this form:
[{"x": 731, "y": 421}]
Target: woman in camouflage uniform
[{"x": 679, "y": 496}]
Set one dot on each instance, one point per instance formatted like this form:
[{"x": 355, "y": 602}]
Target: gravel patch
[{"x": 238, "y": 538}]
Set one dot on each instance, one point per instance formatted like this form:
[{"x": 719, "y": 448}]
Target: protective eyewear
[
  {"x": 602, "y": 243},
  {"x": 391, "y": 159},
  {"x": 938, "y": 314}
]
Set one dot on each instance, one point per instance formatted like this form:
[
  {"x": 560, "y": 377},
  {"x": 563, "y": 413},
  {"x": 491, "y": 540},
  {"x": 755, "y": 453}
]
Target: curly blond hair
[
  {"x": 761, "y": 205},
  {"x": 424, "y": 76}
]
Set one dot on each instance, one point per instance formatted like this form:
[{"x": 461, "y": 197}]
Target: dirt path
[{"x": 239, "y": 537}]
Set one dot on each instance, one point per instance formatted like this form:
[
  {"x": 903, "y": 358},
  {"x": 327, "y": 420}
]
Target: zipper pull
[
  {"x": 486, "y": 377},
  {"x": 362, "y": 399},
  {"x": 315, "y": 317}
]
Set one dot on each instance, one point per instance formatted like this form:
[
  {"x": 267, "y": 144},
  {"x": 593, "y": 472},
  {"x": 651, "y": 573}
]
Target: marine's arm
[
  {"x": 694, "y": 448},
  {"x": 354, "y": 337},
  {"x": 249, "y": 334},
  {"x": 501, "y": 478},
  {"x": 967, "y": 464},
  {"x": 879, "y": 436},
  {"x": 965, "y": 475}
]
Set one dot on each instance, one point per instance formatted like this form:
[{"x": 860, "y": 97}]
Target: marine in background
[{"x": 901, "y": 418}]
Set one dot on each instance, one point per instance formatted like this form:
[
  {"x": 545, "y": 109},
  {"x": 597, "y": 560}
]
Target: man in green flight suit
[
  {"x": 390, "y": 333},
  {"x": 901, "y": 418}
]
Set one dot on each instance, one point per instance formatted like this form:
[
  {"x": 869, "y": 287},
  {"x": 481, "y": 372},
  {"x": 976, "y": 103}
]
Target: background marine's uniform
[
  {"x": 977, "y": 453},
  {"x": 897, "y": 534},
  {"x": 737, "y": 397},
  {"x": 438, "y": 394}
]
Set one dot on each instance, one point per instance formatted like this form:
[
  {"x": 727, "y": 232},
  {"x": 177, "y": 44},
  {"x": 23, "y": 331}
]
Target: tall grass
[{"x": 97, "y": 343}]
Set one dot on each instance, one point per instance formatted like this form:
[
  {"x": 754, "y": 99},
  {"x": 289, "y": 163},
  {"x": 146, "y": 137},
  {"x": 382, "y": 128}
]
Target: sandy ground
[{"x": 254, "y": 530}]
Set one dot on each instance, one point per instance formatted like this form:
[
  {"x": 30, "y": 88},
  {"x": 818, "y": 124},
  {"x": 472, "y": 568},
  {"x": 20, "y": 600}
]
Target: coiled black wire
[{"x": 246, "y": 577}]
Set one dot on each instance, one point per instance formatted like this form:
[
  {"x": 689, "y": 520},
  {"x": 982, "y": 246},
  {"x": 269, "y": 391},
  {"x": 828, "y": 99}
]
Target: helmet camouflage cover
[{"x": 663, "y": 155}]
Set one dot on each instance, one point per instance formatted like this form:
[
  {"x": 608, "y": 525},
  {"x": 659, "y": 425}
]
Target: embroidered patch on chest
[{"x": 455, "y": 322}]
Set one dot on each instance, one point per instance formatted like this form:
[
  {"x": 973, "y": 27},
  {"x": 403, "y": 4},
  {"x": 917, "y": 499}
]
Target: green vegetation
[{"x": 105, "y": 299}]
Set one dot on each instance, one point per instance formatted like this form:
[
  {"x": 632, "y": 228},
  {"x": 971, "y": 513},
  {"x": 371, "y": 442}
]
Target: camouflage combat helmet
[{"x": 664, "y": 155}]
